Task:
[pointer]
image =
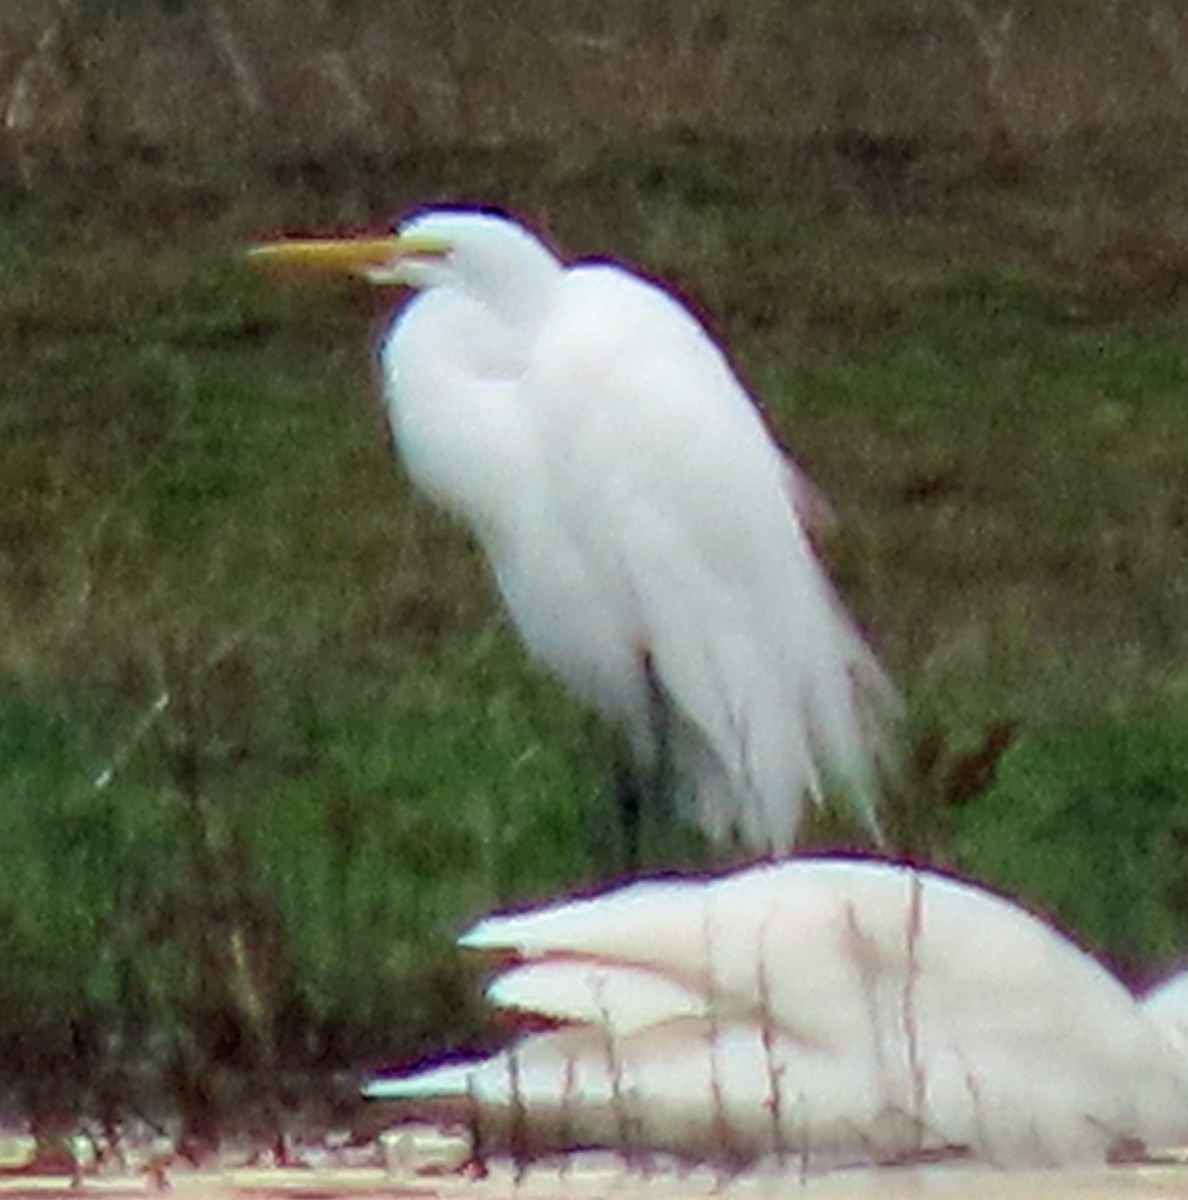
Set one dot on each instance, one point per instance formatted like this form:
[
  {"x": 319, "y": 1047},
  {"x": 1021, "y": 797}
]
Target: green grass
[
  {"x": 266, "y": 742},
  {"x": 1106, "y": 801}
]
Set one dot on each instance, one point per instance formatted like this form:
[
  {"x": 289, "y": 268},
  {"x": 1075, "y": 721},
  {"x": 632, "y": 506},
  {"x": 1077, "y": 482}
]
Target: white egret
[
  {"x": 832, "y": 1011},
  {"x": 640, "y": 521}
]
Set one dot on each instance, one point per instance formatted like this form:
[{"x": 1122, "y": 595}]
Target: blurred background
[{"x": 267, "y": 742}]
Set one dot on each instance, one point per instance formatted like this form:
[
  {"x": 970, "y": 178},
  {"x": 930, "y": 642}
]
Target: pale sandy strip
[{"x": 925, "y": 1183}]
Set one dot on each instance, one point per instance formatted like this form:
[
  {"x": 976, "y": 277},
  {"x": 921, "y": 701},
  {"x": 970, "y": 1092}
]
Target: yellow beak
[{"x": 345, "y": 256}]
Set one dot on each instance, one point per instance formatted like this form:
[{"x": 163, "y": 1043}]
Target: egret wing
[
  {"x": 668, "y": 478},
  {"x": 618, "y": 997}
]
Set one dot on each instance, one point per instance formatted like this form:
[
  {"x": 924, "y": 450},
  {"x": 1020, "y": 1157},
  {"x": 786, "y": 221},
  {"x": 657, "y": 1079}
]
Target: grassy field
[{"x": 266, "y": 740}]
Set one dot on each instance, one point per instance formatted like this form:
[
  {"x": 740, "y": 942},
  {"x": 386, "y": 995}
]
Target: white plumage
[
  {"x": 834, "y": 1011},
  {"x": 640, "y": 521},
  {"x": 1167, "y": 1004}
]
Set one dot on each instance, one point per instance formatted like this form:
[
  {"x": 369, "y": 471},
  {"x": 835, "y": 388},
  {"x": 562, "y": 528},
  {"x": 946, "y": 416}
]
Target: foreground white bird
[
  {"x": 828, "y": 1011},
  {"x": 638, "y": 517}
]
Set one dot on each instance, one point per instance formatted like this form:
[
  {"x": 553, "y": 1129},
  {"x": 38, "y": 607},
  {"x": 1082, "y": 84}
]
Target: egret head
[{"x": 486, "y": 255}]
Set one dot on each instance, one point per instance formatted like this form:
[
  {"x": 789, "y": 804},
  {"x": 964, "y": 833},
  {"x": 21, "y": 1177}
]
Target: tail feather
[
  {"x": 452, "y": 1080},
  {"x": 758, "y": 734},
  {"x": 618, "y": 998},
  {"x": 776, "y": 697}
]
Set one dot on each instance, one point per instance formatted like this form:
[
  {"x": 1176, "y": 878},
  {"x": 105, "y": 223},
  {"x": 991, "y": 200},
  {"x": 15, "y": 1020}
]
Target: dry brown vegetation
[
  {"x": 320, "y": 71},
  {"x": 132, "y": 84}
]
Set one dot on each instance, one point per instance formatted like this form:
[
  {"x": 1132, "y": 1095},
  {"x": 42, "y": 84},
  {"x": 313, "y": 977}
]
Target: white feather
[
  {"x": 633, "y": 507},
  {"x": 841, "y": 1010},
  {"x": 618, "y": 998}
]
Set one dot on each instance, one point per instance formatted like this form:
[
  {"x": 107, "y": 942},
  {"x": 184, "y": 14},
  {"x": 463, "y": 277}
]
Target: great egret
[
  {"x": 834, "y": 1011},
  {"x": 640, "y": 522}
]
